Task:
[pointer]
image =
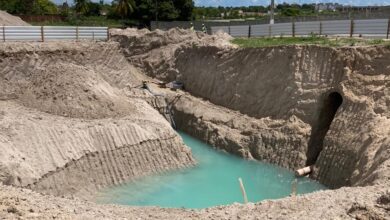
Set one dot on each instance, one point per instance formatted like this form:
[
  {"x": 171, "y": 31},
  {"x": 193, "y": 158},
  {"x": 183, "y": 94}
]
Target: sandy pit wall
[
  {"x": 277, "y": 104},
  {"x": 73, "y": 120},
  {"x": 270, "y": 104}
]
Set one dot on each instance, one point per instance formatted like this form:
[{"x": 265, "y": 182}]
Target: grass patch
[{"x": 312, "y": 40}]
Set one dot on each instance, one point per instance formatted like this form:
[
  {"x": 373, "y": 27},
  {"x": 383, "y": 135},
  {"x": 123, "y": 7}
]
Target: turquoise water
[{"x": 214, "y": 181}]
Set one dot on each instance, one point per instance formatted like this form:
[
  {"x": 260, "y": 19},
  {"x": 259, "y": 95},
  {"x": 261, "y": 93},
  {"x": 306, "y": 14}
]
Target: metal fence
[
  {"x": 47, "y": 33},
  {"x": 365, "y": 28},
  {"x": 166, "y": 25}
]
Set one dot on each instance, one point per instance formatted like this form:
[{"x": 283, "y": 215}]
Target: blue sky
[{"x": 266, "y": 2}]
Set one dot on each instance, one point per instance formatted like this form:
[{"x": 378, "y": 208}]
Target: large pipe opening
[{"x": 328, "y": 110}]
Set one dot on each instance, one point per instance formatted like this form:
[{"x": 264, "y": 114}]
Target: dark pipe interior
[{"x": 328, "y": 110}]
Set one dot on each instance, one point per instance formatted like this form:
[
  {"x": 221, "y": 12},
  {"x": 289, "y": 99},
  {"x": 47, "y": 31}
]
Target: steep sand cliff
[
  {"x": 288, "y": 105},
  {"x": 72, "y": 120},
  {"x": 293, "y": 93}
]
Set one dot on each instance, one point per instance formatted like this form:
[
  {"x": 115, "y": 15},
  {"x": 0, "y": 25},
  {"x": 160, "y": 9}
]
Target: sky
[{"x": 266, "y": 2}]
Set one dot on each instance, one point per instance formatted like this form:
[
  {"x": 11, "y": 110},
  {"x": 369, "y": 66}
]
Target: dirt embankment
[
  {"x": 10, "y": 20},
  {"x": 295, "y": 92},
  {"x": 346, "y": 203},
  {"x": 292, "y": 105},
  {"x": 154, "y": 52},
  {"x": 72, "y": 120},
  {"x": 296, "y": 105}
]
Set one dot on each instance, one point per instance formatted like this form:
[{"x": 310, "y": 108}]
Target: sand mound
[
  {"x": 81, "y": 83},
  {"x": 140, "y": 42},
  {"x": 10, "y": 20},
  {"x": 72, "y": 120},
  {"x": 155, "y": 51}
]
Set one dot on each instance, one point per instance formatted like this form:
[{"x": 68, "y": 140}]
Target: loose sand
[
  {"x": 10, "y": 20},
  {"x": 73, "y": 120}
]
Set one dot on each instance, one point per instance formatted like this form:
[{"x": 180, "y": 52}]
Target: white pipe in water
[
  {"x": 303, "y": 171},
  {"x": 243, "y": 190}
]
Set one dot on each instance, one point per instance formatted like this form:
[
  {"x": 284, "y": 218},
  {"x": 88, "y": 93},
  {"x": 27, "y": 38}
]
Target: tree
[
  {"x": 291, "y": 12},
  {"x": 44, "y": 7},
  {"x": 17, "y": 6},
  {"x": 65, "y": 9},
  {"x": 81, "y": 6},
  {"x": 146, "y": 10},
  {"x": 125, "y": 7},
  {"x": 11, "y": 6},
  {"x": 94, "y": 9},
  {"x": 185, "y": 8},
  {"x": 167, "y": 11},
  {"x": 28, "y": 6}
]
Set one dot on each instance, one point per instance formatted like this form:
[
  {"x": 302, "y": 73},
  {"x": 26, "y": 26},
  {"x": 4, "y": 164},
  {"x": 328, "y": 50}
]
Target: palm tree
[
  {"x": 81, "y": 6},
  {"x": 125, "y": 7}
]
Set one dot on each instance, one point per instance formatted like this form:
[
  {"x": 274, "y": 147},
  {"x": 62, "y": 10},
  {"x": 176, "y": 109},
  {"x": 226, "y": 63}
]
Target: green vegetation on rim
[
  {"x": 88, "y": 21},
  {"x": 314, "y": 40}
]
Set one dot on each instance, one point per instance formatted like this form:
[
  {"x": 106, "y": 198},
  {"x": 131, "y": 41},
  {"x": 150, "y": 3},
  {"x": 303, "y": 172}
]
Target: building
[
  {"x": 250, "y": 14},
  {"x": 326, "y": 7},
  {"x": 374, "y": 11}
]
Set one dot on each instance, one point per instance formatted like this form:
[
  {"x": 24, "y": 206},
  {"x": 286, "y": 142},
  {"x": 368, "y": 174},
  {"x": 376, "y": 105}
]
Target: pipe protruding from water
[
  {"x": 243, "y": 190},
  {"x": 303, "y": 171}
]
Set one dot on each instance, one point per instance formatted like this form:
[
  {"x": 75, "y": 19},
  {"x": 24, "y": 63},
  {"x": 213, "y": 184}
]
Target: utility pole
[{"x": 272, "y": 9}]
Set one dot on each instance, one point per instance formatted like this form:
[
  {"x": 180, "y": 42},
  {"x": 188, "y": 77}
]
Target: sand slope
[
  {"x": 350, "y": 203},
  {"x": 73, "y": 120},
  {"x": 10, "y": 20}
]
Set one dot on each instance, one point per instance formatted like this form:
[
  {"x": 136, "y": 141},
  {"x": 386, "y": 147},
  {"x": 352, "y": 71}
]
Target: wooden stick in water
[
  {"x": 243, "y": 190},
  {"x": 294, "y": 187}
]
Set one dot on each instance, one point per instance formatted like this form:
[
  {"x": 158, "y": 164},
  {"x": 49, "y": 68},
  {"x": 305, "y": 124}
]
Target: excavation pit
[
  {"x": 74, "y": 120},
  {"x": 212, "y": 182}
]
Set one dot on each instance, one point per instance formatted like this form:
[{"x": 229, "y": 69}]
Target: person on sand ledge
[
  {"x": 192, "y": 26},
  {"x": 204, "y": 29}
]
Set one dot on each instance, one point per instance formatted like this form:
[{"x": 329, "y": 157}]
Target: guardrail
[
  {"x": 362, "y": 28},
  {"x": 47, "y": 33}
]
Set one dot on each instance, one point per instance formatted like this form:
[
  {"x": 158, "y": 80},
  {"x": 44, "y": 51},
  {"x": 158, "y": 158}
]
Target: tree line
[
  {"x": 29, "y": 7},
  {"x": 145, "y": 10},
  {"x": 283, "y": 9}
]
